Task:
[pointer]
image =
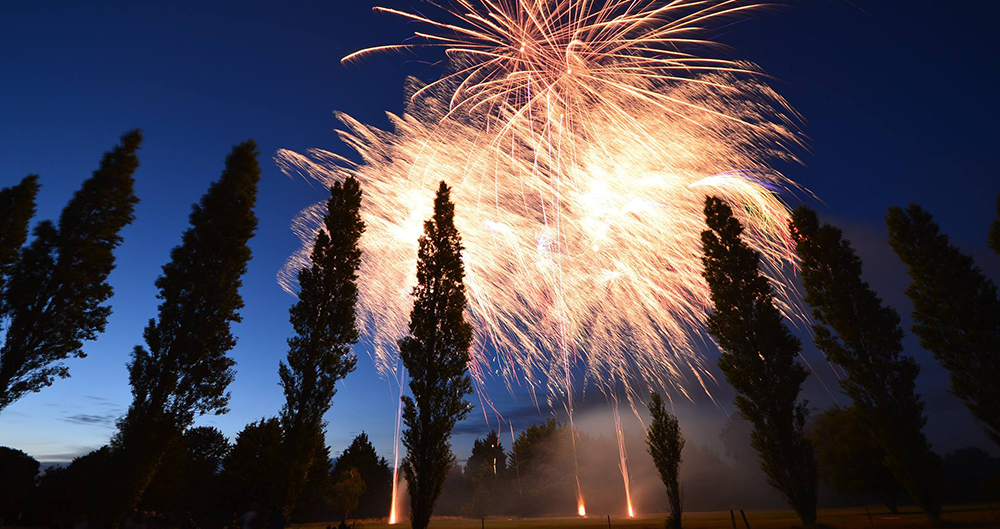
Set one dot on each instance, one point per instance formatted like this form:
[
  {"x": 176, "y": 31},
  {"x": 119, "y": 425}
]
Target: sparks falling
[{"x": 581, "y": 139}]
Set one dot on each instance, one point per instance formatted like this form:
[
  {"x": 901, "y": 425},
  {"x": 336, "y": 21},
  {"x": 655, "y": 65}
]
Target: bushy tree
[
  {"x": 543, "y": 457},
  {"x": 253, "y": 471},
  {"x": 54, "y": 289},
  {"x": 956, "y": 311},
  {"x": 486, "y": 472},
  {"x": 348, "y": 489},
  {"x": 759, "y": 359},
  {"x": 207, "y": 447},
  {"x": 863, "y": 336},
  {"x": 995, "y": 232},
  {"x": 435, "y": 354},
  {"x": 454, "y": 493},
  {"x": 18, "y": 471},
  {"x": 375, "y": 472},
  {"x": 81, "y": 489},
  {"x": 849, "y": 457},
  {"x": 188, "y": 478},
  {"x": 709, "y": 482},
  {"x": 185, "y": 370},
  {"x": 316, "y": 503},
  {"x": 325, "y": 323},
  {"x": 665, "y": 442}
]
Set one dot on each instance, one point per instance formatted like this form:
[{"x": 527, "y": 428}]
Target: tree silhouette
[
  {"x": 374, "y": 470},
  {"x": 435, "y": 354},
  {"x": 665, "y": 442},
  {"x": 348, "y": 490},
  {"x": 187, "y": 481},
  {"x": 325, "y": 323},
  {"x": 995, "y": 232},
  {"x": 859, "y": 333},
  {"x": 185, "y": 370},
  {"x": 254, "y": 469},
  {"x": 17, "y": 207},
  {"x": 54, "y": 289},
  {"x": 316, "y": 502},
  {"x": 956, "y": 312},
  {"x": 16, "y": 482},
  {"x": 849, "y": 457},
  {"x": 759, "y": 359},
  {"x": 486, "y": 472},
  {"x": 543, "y": 455},
  {"x": 82, "y": 488}
]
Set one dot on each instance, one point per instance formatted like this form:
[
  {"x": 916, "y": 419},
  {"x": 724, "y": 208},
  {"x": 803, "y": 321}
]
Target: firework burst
[{"x": 581, "y": 139}]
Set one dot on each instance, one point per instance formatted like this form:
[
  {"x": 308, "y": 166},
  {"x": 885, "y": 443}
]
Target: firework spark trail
[
  {"x": 393, "y": 518},
  {"x": 513, "y": 450},
  {"x": 581, "y": 139},
  {"x": 623, "y": 458}
]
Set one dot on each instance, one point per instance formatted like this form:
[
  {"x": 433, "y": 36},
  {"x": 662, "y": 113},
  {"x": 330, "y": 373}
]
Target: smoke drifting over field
[{"x": 719, "y": 472}]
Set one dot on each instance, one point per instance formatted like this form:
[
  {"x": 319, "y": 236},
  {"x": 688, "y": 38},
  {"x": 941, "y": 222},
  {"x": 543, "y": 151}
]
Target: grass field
[{"x": 966, "y": 516}]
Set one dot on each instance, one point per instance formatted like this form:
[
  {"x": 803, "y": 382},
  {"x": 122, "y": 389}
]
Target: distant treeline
[{"x": 213, "y": 482}]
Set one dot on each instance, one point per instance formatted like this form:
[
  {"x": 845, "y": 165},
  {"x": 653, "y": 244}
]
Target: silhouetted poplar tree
[
  {"x": 859, "y": 333},
  {"x": 435, "y": 354},
  {"x": 759, "y": 359},
  {"x": 54, "y": 289},
  {"x": 325, "y": 323},
  {"x": 665, "y": 443},
  {"x": 956, "y": 312},
  {"x": 995, "y": 232},
  {"x": 185, "y": 370}
]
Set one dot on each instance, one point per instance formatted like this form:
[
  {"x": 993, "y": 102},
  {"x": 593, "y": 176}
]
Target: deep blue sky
[{"x": 898, "y": 97}]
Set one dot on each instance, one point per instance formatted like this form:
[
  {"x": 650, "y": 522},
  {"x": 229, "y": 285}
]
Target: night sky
[{"x": 898, "y": 98}]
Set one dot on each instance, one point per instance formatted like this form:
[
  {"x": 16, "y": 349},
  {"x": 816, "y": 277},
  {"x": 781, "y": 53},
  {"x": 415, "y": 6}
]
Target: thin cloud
[{"x": 106, "y": 420}]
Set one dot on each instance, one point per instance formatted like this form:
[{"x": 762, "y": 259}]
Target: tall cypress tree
[
  {"x": 54, "y": 291},
  {"x": 863, "y": 336},
  {"x": 185, "y": 370},
  {"x": 665, "y": 443},
  {"x": 325, "y": 326},
  {"x": 956, "y": 312},
  {"x": 995, "y": 232},
  {"x": 759, "y": 359},
  {"x": 435, "y": 353}
]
